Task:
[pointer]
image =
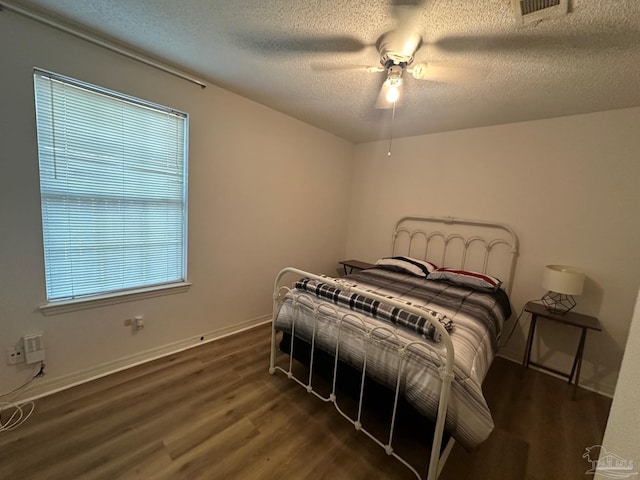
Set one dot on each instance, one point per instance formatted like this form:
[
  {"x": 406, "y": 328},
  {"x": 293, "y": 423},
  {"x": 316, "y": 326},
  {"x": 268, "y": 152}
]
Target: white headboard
[{"x": 486, "y": 247}]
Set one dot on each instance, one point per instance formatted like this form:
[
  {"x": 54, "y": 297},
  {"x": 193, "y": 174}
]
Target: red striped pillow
[{"x": 466, "y": 278}]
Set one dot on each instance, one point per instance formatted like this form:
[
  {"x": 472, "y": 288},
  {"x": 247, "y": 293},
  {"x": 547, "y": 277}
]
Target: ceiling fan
[{"x": 397, "y": 49}]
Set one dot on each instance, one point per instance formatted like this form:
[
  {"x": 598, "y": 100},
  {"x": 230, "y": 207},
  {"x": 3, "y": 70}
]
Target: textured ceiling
[{"x": 266, "y": 50}]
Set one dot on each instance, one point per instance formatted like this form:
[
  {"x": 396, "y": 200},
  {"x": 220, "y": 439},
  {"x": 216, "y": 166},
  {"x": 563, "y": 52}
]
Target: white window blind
[{"x": 113, "y": 189}]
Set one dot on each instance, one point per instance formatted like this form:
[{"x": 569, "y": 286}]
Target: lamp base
[{"x": 558, "y": 303}]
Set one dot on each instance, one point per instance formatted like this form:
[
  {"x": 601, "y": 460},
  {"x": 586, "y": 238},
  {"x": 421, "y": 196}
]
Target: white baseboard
[
  {"x": 49, "y": 386},
  {"x": 606, "y": 390}
]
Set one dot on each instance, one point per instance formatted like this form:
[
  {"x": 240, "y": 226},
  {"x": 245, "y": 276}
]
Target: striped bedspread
[{"x": 476, "y": 318}]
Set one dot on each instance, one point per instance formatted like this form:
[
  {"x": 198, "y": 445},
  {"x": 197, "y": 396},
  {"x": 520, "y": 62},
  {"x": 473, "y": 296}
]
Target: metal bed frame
[{"x": 445, "y": 247}]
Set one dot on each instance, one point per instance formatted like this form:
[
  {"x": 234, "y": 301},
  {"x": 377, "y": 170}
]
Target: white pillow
[
  {"x": 410, "y": 265},
  {"x": 466, "y": 278}
]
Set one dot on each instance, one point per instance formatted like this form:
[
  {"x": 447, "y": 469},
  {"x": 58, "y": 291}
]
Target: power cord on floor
[
  {"x": 20, "y": 412},
  {"x": 16, "y": 413},
  {"x": 513, "y": 329}
]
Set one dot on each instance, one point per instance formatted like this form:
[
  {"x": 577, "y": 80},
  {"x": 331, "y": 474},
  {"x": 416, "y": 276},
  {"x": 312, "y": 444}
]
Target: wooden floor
[{"x": 213, "y": 412}]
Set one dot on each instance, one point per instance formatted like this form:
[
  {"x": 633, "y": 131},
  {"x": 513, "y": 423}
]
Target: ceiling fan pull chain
[{"x": 393, "y": 116}]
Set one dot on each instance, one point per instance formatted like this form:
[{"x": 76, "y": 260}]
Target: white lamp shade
[{"x": 562, "y": 279}]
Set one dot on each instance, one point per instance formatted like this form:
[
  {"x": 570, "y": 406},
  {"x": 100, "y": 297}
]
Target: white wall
[
  {"x": 265, "y": 191},
  {"x": 621, "y": 436},
  {"x": 567, "y": 186}
]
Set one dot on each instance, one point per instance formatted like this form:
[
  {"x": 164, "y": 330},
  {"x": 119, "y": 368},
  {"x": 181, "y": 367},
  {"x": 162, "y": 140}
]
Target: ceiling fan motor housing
[
  {"x": 398, "y": 48},
  {"x": 390, "y": 59}
]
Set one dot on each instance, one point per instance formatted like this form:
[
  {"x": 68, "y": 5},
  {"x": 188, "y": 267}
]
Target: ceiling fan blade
[
  {"x": 442, "y": 72},
  {"x": 285, "y": 44},
  {"x": 331, "y": 67},
  {"x": 382, "y": 101},
  {"x": 538, "y": 41}
]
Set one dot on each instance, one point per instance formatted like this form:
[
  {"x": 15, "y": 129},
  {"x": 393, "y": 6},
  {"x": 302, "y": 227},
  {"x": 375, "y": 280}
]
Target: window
[{"x": 113, "y": 190}]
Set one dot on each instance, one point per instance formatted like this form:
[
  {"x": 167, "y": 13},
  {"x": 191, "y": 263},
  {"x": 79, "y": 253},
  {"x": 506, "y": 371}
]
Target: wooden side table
[
  {"x": 354, "y": 264},
  {"x": 578, "y": 320}
]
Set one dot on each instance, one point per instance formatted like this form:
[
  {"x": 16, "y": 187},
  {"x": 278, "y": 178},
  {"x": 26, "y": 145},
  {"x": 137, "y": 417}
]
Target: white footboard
[{"x": 446, "y": 371}]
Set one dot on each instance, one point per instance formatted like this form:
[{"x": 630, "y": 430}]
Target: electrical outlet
[
  {"x": 15, "y": 355},
  {"x": 138, "y": 322}
]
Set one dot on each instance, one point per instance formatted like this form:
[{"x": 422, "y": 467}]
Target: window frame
[{"x": 96, "y": 299}]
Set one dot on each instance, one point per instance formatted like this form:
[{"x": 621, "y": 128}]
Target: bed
[{"x": 424, "y": 323}]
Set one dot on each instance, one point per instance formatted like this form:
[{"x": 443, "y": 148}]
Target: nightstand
[
  {"x": 578, "y": 320},
  {"x": 354, "y": 265}
]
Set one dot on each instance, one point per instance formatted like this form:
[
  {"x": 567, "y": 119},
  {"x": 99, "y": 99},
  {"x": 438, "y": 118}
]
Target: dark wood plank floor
[{"x": 213, "y": 412}]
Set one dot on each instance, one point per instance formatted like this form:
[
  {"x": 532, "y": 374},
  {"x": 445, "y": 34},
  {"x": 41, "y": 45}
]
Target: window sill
[{"x": 66, "y": 306}]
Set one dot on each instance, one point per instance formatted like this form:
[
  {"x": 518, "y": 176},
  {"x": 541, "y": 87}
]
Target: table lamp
[{"x": 561, "y": 282}]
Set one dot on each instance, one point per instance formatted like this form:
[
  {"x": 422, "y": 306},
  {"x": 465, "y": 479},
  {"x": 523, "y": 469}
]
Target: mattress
[{"x": 476, "y": 319}]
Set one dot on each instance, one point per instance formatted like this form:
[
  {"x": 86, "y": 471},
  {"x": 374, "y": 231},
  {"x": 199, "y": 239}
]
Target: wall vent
[{"x": 528, "y": 11}]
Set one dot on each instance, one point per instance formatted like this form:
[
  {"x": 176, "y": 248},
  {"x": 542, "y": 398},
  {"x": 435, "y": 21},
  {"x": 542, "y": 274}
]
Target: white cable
[
  {"x": 19, "y": 388},
  {"x": 21, "y": 411},
  {"x": 18, "y": 416},
  {"x": 38, "y": 374},
  {"x": 393, "y": 117}
]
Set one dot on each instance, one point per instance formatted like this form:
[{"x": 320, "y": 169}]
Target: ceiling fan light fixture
[
  {"x": 394, "y": 75},
  {"x": 393, "y": 83},
  {"x": 418, "y": 71},
  {"x": 393, "y": 93}
]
